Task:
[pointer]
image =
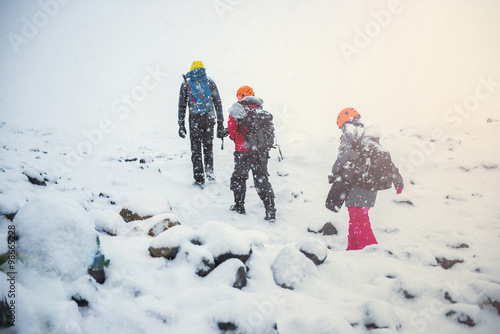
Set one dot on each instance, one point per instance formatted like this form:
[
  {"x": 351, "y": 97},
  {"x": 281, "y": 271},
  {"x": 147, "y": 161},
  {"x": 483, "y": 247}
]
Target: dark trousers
[
  {"x": 243, "y": 163},
  {"x": 201, "y": 132}
]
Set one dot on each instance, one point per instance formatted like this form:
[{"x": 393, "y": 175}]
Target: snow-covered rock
[
  {"x": 57, "y": 232},
  {"x": 155, "y": 225},
  {"x": 8, "y": 206},
  {"x": 224, "y": 241},
  {"x": 144, "y": 206},
  {"x": 291, "y": 267},
  {"x": 107, "y": 221},
  {"x": 313, "y": 249}
]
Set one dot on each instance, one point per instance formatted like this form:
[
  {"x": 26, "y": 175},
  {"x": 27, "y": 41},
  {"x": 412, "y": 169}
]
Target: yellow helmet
[{"x": 196, "y": 64}]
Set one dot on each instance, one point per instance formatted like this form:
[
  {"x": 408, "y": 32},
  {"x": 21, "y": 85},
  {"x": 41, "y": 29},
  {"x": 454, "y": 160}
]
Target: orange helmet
[
  {"x": 346, "y": 115},
  {"x": 244, "y": 91}
]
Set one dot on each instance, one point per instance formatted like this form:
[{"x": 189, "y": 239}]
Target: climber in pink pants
[{"x": 358, "y": 199}]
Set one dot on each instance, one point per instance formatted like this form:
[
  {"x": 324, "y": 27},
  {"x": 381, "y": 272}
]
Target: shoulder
[{"x": 211, "y": 82}]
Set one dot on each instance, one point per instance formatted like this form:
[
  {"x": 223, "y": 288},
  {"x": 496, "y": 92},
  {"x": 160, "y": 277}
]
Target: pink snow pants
[{"x": 360, "y": 230}]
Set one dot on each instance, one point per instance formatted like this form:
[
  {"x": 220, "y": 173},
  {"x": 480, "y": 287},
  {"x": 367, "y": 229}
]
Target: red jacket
[{"x": 237, "y": 135}]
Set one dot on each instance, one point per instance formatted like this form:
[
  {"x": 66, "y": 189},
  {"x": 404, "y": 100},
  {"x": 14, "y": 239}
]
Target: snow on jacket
[
  {"x": 357, "y": 196},
  {"x": 185, "y": 101},
  {"x": 353, "y": 134},
  {"x": 238, "y": 112}
]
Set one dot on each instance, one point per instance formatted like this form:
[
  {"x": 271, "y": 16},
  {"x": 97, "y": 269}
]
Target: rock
[
  {"x": 226, "y": 256},
  {"x": 8, "y": 207},
  {"x": 313, "y": 250},
  {"x": 230, "y": 273},
  {"x": 34, "y": 177},
  {"x": 493, "y": 303},
  {"x": 327, "y": 229},
  {"x": 380, "y": 314},
  {"x": 461, "y": 318},
  {"x": 404, "y": 202},
  {"x": 291, "y": 267},
  {"x": 143, "y": 207},
  {"x": 240, "y": 279},
  {"x": 106, "y": 221},
  {"x": 447, "y": 264},
  {"x": 162, "y": 226},
  {"x": 166, "y": 252},
  {"x": 80, "y": 301},
  {"x": 205, "y": 267},
  {"x": 227, "y": 326},
  {"x": 68, "y": 234},
  {"x": 129, "y": 216},
  {"x": 458, "y": 246},
  {"x": 225, "y": 242},
  {"x": 5, "y": 314}
]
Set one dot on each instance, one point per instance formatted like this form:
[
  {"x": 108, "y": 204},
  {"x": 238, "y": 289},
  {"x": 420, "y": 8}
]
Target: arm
[
  {"x": 344, "y": 154},
  {"x": 232, "y": 126},
  {"x": 183, "y": 94},
  {"x": 397, "y": 179},
  {"x": 216, "y": 100}
]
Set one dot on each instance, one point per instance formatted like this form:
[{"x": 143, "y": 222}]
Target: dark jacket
[
  {"x": 357, "y": 196},
  {"x": 184, "y": 101}
]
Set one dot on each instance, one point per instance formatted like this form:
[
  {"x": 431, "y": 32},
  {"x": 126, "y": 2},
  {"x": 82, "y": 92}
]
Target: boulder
[
  {"x": 166, "y": 252},
  {"x": 313, "y": 250},
  {"x": 144, "y": 206},
  {"x": 168, "y": 244},
  {"x": 167, "y": 221},
  {"x": 68, "y": 234},
  {"x": 291, "y": 267},
  {"x": 34, "y": 177},
  {"x": 225, "y": 242}
]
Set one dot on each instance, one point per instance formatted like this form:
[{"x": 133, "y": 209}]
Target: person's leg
[
  {"x": 262, "y": 185},
  {"x": 208, "y": 153},
  {"x": 360, "y": 231},
  {"x": 196, "y": 156},
  {"x": 239, "y": 179}
]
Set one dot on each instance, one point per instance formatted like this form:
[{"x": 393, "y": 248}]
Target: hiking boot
[
  {"x": 270, "y": 215},
  {"x": 239, "y": 208},
  {"x": 210, "y": 177},
  {"x": 198, "y": 184},
  {"x": 270, "y": 210}
]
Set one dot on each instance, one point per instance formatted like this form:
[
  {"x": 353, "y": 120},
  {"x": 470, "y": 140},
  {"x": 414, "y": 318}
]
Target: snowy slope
[{"x": 447, "y": 211}]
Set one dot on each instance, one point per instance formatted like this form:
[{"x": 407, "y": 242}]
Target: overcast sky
[{"x": 400, "y": 63}]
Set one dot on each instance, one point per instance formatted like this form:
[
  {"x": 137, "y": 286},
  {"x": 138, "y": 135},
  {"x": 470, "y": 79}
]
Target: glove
[
  {"x": 182, "y": 131},
  {"x": 221, "y": 132},
  {"x": 399, "y": 189}
]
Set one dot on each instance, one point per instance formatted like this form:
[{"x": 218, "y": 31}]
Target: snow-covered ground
[
  {"x": 88, "y": 127},
  {"x": 447, "y": 211}
]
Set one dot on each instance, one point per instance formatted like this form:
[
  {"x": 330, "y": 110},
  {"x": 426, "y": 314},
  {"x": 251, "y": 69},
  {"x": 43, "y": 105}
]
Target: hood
[
  {"x": 238, "y": 112},
  {"x": 252, "y": 101}
]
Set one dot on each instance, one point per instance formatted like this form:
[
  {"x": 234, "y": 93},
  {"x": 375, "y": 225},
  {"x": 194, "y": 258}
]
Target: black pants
[
  {"x": 201, "y": 132},
  {"x": 243, "y": 163}
]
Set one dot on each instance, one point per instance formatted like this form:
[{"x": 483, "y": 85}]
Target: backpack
[
  {"x": 260, "y": 130},
  {"x": 374, "y": 167},
  {"x": 200, "y": 95}
]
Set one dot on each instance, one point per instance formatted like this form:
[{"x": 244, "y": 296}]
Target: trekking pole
[
  {"x": 280, "y": 158},
  {"x": 222, "y": 143}
]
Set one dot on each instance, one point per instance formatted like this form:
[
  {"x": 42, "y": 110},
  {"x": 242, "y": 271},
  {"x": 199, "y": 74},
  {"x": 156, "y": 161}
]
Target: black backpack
[
  {"x": 375, "y": 169},
  {"x": 260, "y": 130}
]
